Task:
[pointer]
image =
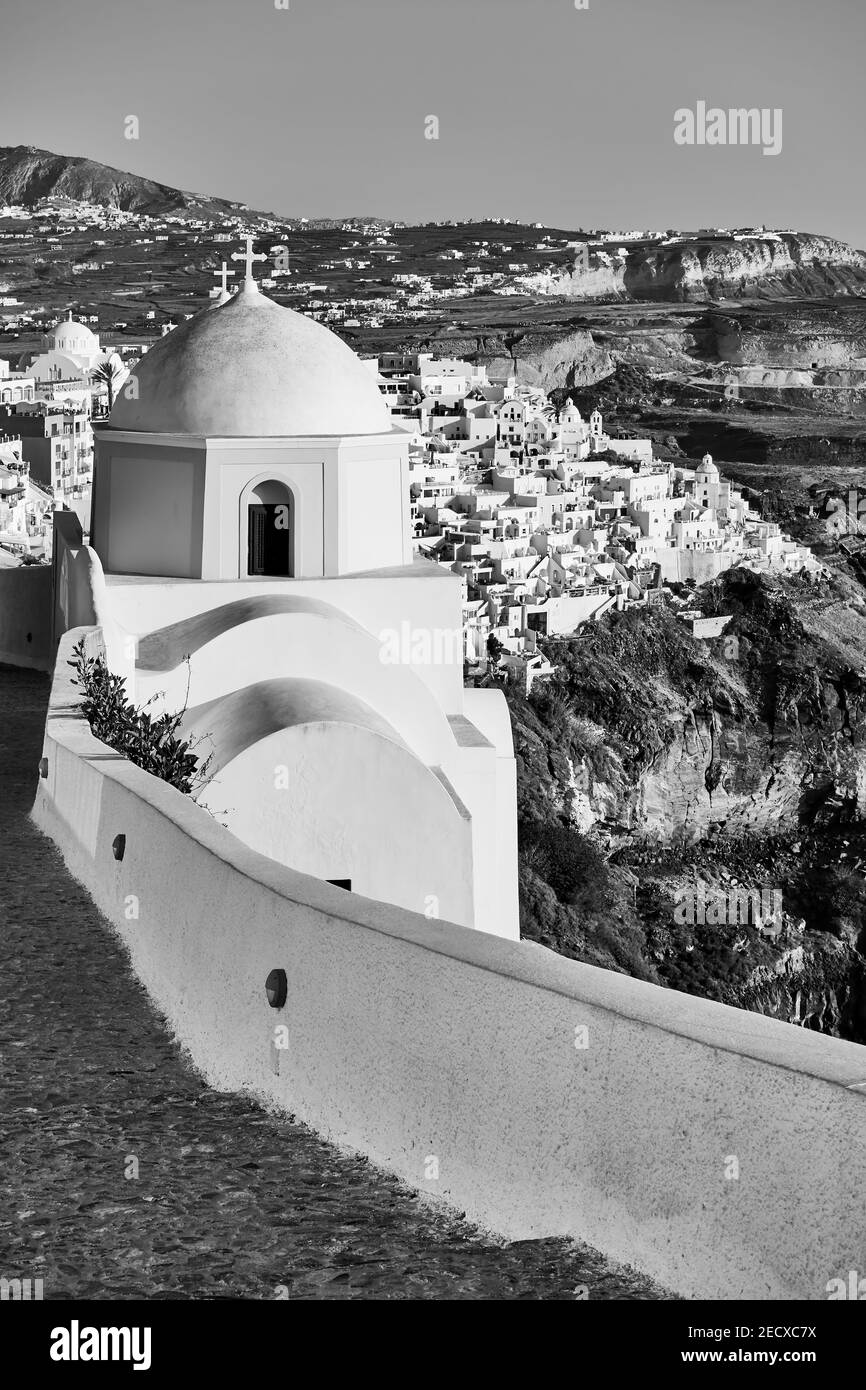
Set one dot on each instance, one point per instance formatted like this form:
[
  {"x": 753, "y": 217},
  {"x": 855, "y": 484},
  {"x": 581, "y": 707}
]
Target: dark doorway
[{"x": 269, "y": 539}]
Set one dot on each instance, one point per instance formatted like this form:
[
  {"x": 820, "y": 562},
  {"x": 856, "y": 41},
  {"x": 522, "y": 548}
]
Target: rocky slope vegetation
[{"x": 653, "y": 766}]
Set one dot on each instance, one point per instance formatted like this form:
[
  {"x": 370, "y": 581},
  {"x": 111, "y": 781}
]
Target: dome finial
[{"x": 248, "y": 256}]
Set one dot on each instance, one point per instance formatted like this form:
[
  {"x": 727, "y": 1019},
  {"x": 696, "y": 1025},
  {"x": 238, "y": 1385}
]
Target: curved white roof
[
  {"x": 252, "y": 368},
  {"x": 70, "y": 336}
]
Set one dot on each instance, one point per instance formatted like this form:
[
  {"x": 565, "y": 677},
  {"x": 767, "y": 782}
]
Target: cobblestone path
[{"x": 229, "y": 1202}]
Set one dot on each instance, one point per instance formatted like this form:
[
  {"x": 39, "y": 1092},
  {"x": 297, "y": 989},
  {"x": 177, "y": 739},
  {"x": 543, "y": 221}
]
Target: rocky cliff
[
  {"x": 574, "y": 359},
  {"x": 653, "y": 761},
  {"x": 796, "y": 353},
  {"x": 694, "y": 268},
  {"x": 796, "y": 264},
  {"x": 805, "y": 338},
  {"x": 752, "y": 732},
  {"x": 595, "y": 278}
]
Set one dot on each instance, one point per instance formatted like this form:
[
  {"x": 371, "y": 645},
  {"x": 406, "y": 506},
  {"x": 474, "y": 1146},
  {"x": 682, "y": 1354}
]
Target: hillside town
[
  {"x": 549, "y": 520},
  {"x": 46, "y": 435},
  {"x": 552, "y": 522}
]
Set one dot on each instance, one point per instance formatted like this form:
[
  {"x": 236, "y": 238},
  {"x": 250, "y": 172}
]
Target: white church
[
  {"x": 70, "y": 352},
  {"x": 251, "y": 517}
]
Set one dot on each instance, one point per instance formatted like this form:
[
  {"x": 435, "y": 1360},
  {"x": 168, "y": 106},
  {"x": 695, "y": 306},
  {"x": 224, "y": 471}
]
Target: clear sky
[{"x": 546, "y": 113}]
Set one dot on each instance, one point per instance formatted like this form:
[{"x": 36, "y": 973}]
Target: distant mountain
[{"x": 27, "y": 175}]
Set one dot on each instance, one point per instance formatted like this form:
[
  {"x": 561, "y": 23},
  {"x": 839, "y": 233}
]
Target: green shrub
[
  {"x": 569, "y": 863},
  {"x": 152, "y": 744}
]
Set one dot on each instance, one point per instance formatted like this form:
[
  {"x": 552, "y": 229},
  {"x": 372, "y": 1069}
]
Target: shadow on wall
[
  {"x": 38, "y": 603},
  {"x": 25, "y": 617}
]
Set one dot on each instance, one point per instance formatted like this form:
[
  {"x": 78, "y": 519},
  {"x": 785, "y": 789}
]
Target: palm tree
[{"x": 108, "y": 372}]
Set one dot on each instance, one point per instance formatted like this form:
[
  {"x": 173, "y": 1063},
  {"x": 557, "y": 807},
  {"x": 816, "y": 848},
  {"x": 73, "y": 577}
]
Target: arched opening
[{"x": 270, "y": 530}]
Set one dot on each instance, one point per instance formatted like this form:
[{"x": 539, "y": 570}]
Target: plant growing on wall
[{"x": 151, "y": 743}]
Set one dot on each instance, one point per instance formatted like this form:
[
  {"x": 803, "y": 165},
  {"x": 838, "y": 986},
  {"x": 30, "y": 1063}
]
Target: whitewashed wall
[{"x": 414, "y": 1040}]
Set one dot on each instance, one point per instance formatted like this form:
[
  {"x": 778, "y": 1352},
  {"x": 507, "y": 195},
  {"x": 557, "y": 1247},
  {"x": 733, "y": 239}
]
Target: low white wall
[
  {"x": 699, "y": 565},
  {"x": 413, "y": 1040}
]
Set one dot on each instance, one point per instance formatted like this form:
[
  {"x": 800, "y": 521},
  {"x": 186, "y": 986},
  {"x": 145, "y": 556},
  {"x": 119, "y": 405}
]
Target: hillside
[
  {"x": 696, "y": 269},
  {"x": 795, "y": 264},
  {"x": 652, "y": 763},
  {"x": 28, "y": 175}
]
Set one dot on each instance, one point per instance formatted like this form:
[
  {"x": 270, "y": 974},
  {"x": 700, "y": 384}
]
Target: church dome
[
  {"x": 251, "y": 368},
  {"x": 70, "y": 336}
]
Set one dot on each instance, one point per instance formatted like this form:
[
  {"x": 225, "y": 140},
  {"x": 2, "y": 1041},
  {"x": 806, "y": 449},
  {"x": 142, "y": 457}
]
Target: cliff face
[
  {"x": 810, "y": 338},
  {"x": 624, "y": 912},
  {"x": 760, "y": 730},
  {"x": 794, "y": 264},
  {"x": 600, "y": 279},
  {"x": 708, "y": 775},
  {"x": 819, "y": 985},
  {"x": 797, "y": 353},
  {"x": 573, "y": 360},
  {"x": 678, "y": 762}
]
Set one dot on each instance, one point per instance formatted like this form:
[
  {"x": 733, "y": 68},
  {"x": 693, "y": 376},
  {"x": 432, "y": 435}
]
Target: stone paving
[{"x": 124, "y": 1176}]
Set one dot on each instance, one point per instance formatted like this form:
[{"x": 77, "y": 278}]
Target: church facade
[
  {"x": 70, "y": 352},
  {"x": 251, "y": 518}
]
